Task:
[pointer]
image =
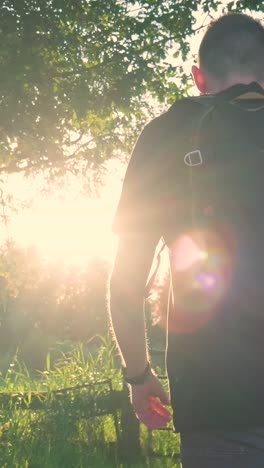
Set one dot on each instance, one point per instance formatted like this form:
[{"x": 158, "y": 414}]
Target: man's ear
[{"x": 199, "y": 79}]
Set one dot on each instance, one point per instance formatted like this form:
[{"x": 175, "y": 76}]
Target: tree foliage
[
  {"x": 77, "y": 77},
  {"x": 41, "y": 303}
]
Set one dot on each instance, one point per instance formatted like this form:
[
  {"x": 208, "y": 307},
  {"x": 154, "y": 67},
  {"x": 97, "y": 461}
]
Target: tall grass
[{"x": 61, "y": 432}]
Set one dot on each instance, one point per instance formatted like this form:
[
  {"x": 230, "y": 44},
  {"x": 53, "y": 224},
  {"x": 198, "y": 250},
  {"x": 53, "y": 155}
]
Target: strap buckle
[{"x": 194, "y": 158}]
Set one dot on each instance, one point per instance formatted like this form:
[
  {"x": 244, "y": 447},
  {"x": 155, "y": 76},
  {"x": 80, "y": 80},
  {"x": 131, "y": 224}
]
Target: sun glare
[
  {"x": 69, "y": 227},
  {"x": 72, "y": 231}
]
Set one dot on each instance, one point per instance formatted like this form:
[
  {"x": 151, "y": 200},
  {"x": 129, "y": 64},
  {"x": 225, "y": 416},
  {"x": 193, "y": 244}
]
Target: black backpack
[
  {"x": 220, "y": 181},
  {"x": 216, "y": 322}
]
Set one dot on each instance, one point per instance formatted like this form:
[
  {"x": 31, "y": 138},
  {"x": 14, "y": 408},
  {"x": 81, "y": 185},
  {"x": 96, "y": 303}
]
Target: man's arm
[{"x": 132, "y": 265}]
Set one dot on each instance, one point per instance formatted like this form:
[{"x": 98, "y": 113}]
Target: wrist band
[{"x": 139, "y": 379}]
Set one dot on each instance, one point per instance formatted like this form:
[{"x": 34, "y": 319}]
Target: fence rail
[{"x": 109, "y": 402}]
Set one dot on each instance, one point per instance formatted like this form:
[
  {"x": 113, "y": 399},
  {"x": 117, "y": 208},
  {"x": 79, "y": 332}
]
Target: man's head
[{"x": 231, "y": 51}]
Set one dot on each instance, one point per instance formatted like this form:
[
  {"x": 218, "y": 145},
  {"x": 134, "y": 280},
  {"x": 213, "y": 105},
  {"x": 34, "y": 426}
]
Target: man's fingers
[
  {"x": 155, "y": 416},
  {"x": 153, "y": 419},
  {"x": 148, "y": 401},
  {"x": 163, "y": 398},
  {"x": 157, "y": 406}
]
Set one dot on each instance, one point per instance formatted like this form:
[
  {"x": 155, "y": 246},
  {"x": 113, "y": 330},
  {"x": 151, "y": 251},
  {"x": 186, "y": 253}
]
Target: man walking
[{"x": 195, "y": 180}]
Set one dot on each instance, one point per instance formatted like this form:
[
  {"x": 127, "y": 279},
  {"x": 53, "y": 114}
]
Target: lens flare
[
  {"x": 201, "y": 270},
  {"x": 206, "y": 281}
]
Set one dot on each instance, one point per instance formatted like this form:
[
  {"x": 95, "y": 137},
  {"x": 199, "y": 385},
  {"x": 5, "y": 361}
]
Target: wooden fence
[
  {"x": 113, "y": 402},
  {"x": 94, "y": 404}
]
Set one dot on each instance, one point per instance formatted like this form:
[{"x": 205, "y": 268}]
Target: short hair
[{"x": 233, "y": 44}]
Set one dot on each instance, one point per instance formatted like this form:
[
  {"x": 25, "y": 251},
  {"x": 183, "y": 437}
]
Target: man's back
[{"x": 214, "y": 332}]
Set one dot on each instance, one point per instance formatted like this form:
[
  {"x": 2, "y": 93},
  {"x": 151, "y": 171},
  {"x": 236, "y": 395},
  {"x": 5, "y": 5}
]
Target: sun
[
  {"x": 71, "y": 228},
  {"x": 72, "y": 231}
]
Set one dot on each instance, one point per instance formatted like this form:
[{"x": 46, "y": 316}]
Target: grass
[{"x": 61, "y": 433}]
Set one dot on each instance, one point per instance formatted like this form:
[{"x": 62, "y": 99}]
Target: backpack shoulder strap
[
  {"x": 238, "y": 91},
  {"x": 205, "y": 100}
]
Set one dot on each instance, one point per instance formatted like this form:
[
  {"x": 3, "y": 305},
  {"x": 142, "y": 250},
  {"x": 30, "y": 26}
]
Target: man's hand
[{"x": 148, "y": 400}]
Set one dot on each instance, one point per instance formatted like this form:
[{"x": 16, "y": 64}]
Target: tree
[
  {"x": 77, "y": 77},
  {"x": 47, "y": 302}
]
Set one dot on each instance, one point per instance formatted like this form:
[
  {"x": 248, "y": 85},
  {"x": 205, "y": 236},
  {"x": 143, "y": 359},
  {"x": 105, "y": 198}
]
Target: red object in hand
[{"x": 155, "y": 416}]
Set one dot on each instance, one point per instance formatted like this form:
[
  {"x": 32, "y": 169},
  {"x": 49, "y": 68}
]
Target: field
[{"x": 75, "y": 414}]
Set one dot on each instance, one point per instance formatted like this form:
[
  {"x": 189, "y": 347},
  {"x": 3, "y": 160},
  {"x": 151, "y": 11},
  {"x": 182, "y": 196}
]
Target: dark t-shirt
[
  {"x": 141, "y": 202},
  {"x": 215, "y": 367}
]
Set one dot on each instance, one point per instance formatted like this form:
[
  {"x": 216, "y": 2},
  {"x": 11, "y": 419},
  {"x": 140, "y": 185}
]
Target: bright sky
[{"x": 67, "y": 224}]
